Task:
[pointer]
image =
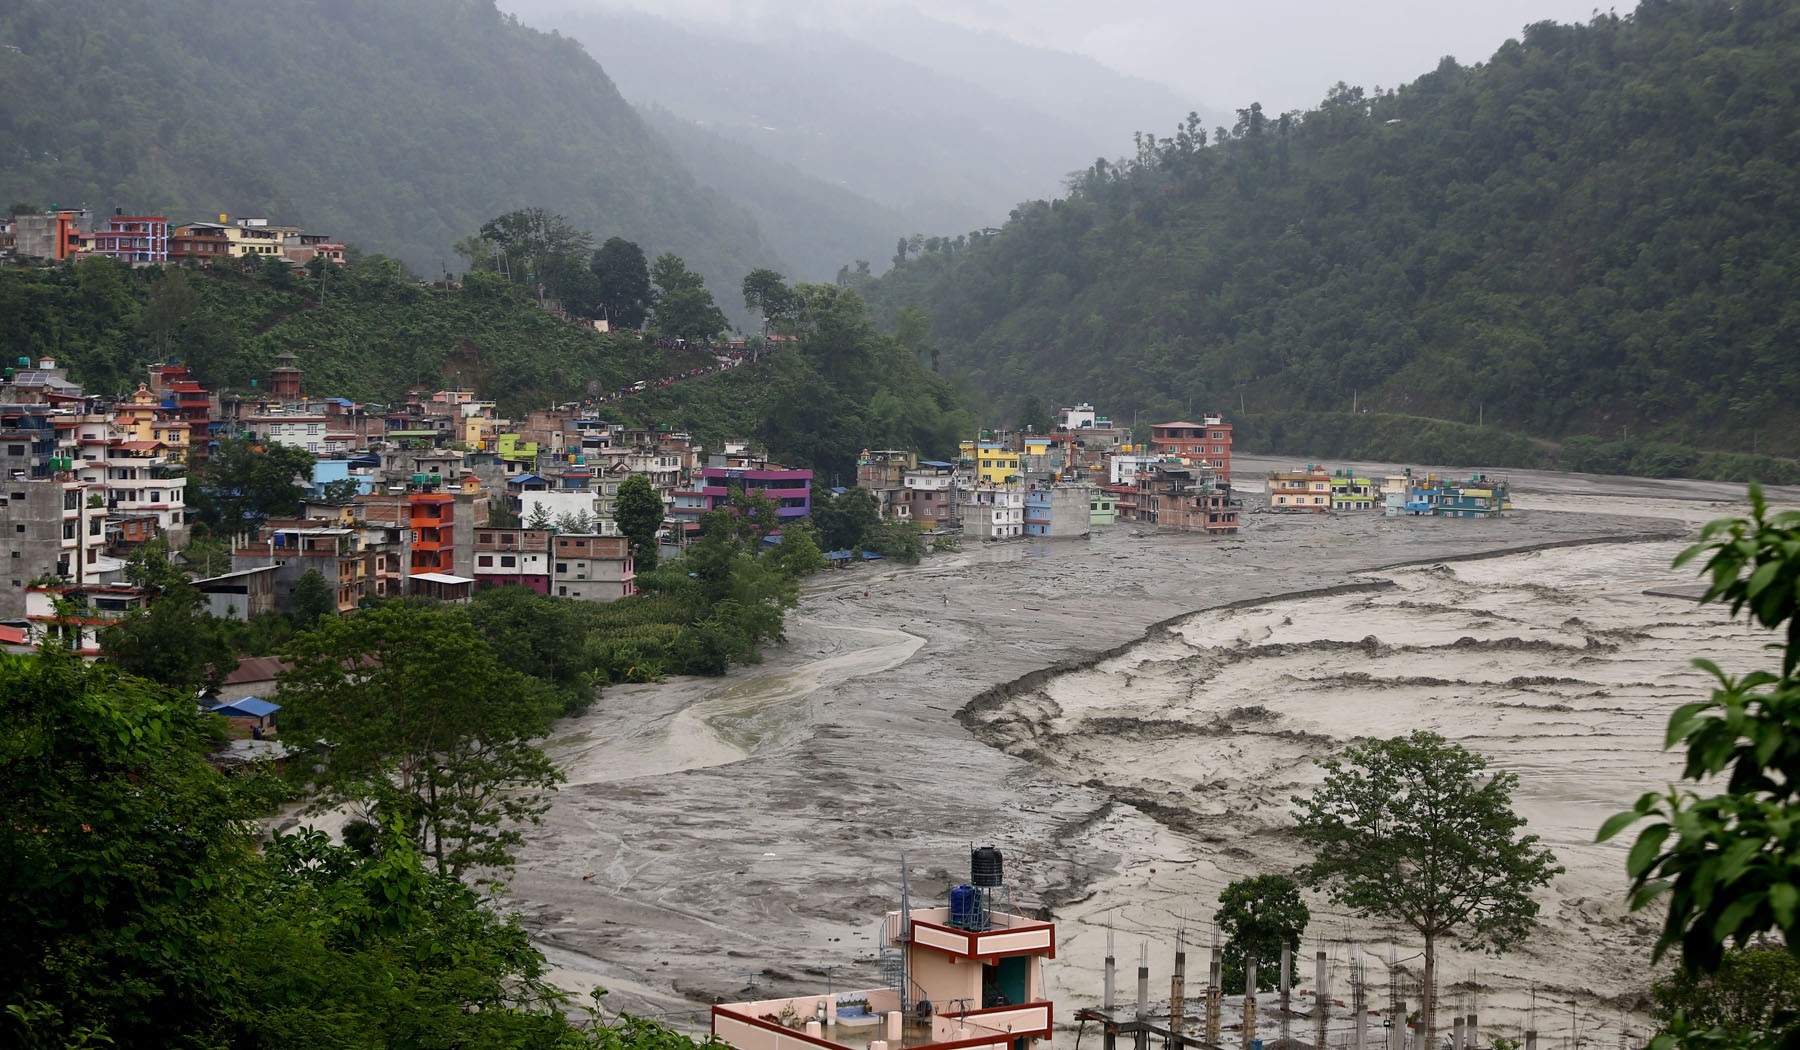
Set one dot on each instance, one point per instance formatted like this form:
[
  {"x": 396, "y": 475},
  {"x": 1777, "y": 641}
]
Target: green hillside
[
  {"x": 396, "y": 125},
  {"x": 1596, "y": 232}
]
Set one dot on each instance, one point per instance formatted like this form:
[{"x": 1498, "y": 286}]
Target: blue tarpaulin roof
[
  {"x": 249, "y": 707},
  {"x": 847, "y": 555}
]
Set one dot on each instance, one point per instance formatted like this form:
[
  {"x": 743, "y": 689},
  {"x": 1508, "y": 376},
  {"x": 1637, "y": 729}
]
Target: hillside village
[{"x": 440, "y": 495}]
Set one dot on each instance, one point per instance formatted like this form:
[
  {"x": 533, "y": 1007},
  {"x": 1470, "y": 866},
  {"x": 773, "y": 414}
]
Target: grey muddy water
[{"x": 1126, "y": 717}]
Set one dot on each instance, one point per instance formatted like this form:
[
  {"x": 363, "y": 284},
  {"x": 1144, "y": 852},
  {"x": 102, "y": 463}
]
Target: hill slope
[
  {"x": 396, "y": 125},
  {"x": 1595, "y": 232}
]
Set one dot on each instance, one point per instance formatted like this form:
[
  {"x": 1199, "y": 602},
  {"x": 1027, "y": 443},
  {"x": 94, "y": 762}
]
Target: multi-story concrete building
[
  {"x": 53, "y": 235},
  {"x": 593, "y": 568},
  {"x": 513, "y": 557},
  {"x": 992, "y": 512},
  {"x": 931, "y": 494},
  {"x": 134, "y": 239},
  {"x": 1307, "y": 490},
  {"x": 1204, "y": 444},
  {"x": 1059, "y": 511}
]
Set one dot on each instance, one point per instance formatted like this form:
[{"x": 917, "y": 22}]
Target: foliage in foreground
[
  {"x": 1727, "y": 865},
  {"x": 137, "y": 911}
]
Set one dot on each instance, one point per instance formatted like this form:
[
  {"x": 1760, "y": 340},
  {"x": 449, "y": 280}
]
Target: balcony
[{"x": 853, "y": 1019}]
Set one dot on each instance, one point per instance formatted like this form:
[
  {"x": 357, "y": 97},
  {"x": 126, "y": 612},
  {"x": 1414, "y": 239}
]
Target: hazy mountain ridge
[
  {"x": 1595, "y": 232},
  {"x": 814, "y": 226},
  {"x": 900, "y": 125},
  {"x": 396, "y": 125}
]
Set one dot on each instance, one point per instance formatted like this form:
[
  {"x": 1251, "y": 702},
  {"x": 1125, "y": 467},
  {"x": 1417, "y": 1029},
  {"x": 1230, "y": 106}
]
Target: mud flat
[{"x": 1076, "y": 703}]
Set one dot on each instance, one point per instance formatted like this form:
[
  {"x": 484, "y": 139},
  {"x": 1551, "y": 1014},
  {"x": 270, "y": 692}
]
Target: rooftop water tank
[
  {"x": 985, "y": 868},
  {"x": 965, "y": 907}
]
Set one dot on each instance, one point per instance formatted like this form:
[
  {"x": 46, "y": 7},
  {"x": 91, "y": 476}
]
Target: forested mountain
[
  {"x": 399, "y": 126},
  {"x": 1596, "y": 232},
  {"x": 880, "y": 115}
]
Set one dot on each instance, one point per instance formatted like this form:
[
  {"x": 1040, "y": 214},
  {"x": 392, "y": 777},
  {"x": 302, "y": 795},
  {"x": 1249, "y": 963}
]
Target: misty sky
[{"x": 1223, "y": 55}]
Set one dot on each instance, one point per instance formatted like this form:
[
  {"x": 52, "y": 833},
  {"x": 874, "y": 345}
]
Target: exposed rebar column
[
  {"x": 1143, "y": 981},
  {"x": 1215, "y": 992},
  {"x": 1286, "y": 984},
  {"x": 1321, "y": 998},
  {"x": 1106, "y": 994},
  {"x": 1178, "y": 994},
  {"x": 1249, "y": 1000}
]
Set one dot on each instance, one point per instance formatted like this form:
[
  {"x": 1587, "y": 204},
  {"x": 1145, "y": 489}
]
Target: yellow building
[
  {"x": 994, "y": 464},
  {"x": 258, "y": 237}
]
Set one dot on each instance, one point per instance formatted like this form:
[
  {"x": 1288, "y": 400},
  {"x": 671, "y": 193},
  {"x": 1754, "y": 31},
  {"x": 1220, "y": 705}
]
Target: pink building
[{"x": 968, "y": 976}]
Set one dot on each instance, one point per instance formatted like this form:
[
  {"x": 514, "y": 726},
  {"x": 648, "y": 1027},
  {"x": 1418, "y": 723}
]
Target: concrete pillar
[
  {"x": 1249, "y": 1000},
  {"x": 814, "y": 1030},
  {"x": 1143, "y": 1004},
  {"x": 1106, "y": 993},
  {"x": 1530, "y": 1039},
  {"x": 878, "y": 1044},
  {"x": 1178, "y": 997},
  {"x": 831, "y": 1010},
  {"x": 1471, "y": 1039},
  {"x": 1456, "y": 1033},
  {"x": 1322, "y": 1000},
  {"x": 1215, "y": 991},
  {"x": 893, "y": 1026},
  {"x": 1286, "y": 985}
]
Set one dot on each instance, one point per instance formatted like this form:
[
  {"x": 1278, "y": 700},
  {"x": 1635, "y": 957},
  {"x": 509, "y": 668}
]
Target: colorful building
[
  {"x": 1349, "y": 492},
  {"x": 967, "y": 976},
  {"x": 1308, "y": 490},
  {"x": 135, "y": 239},
  {"x": 993, "y": 463},
  {"x": 513, "y": 557}
]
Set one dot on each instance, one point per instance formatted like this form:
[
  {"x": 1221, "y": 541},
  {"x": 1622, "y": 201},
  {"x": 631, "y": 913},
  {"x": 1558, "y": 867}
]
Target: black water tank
[{"x": 984, "y": 867}]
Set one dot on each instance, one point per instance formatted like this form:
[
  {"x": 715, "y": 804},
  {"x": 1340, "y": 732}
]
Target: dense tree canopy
[
  {"x": 404, "y": 125},
  {"x": 417, "y": 715},
  {"x": 1594, "y": 232}
]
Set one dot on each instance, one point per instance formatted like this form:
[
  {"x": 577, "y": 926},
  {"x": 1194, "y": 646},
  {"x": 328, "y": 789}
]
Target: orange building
[{"x": 432, "y": 518}]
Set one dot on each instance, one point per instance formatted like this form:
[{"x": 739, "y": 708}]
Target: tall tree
[
  {"x": 245, "y": 484},
  {"x": 1259, "y": 916},
  {"x": 684, "y": 308},
  {"x": 767, "y": 293},
  {"x": 624, "y": 289},
  {"x": 1415, "y": 830},
  {"x": 538, "y": 249},
  {"x": 639, "y": 513},
  {"x": 312, "y": 600},
  {"x": 416, "y": 712}
]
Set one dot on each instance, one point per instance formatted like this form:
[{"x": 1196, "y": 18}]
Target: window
[
  {"x": 485, "y": 561},
  {"x": 562, "y": 566},
  {"x": 562, "y": 592},
  {"x": 507, "y": 561}
]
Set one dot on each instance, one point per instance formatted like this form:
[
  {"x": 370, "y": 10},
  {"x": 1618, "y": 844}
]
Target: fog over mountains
[{"x": 942, "y": 129}]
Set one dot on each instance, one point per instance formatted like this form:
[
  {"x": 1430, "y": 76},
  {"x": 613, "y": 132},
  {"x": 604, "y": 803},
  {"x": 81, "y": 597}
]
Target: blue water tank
[{"x": 965, "y": 907}]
